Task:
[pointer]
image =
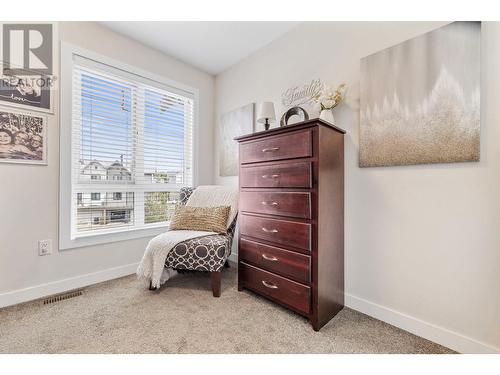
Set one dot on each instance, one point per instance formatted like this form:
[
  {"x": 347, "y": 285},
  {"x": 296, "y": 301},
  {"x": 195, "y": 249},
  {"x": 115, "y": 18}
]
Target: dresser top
[{"x": 287, "y": 128}]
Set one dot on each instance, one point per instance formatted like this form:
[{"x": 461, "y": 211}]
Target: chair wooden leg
[{"x": 215, "y": 280}]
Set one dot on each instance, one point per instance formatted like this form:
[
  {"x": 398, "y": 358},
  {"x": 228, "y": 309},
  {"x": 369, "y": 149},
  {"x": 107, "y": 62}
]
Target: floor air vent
[{"x": 62, "y": 297}]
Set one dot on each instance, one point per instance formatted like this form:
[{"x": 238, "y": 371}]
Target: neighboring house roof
[
  {"x": 118, "y": 167},
  {"x": 92, "y": 164},
  {"x": 114, "y": 167}
]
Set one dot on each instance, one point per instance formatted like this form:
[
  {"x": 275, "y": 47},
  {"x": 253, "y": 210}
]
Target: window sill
[{"x": 109, "y": 236}]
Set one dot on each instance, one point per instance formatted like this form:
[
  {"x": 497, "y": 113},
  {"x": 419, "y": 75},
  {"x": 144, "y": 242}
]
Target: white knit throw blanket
[{"x": 153, "y": 261}]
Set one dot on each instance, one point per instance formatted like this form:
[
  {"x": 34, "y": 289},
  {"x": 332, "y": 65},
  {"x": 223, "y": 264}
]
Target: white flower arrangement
[{"x": 329, "y": 98}]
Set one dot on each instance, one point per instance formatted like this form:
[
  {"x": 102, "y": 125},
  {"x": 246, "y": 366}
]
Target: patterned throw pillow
[{"x": 210, "y": 219}]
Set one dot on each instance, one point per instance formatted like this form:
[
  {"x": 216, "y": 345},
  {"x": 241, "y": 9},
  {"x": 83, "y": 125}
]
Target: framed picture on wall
[
  {"x": 27, "y": 79},
  {"x": 233, "y": 124},
  {"x": 31, "y": 92},
  {"x": 23, "y": 137},
  {"x": 420, "y": 100}
]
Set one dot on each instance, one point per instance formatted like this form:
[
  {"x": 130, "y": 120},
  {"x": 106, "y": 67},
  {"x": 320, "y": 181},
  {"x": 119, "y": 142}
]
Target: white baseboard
[
  {"x": 440, "y": 335},
  {"x": 60, "y": 286},
  {"x": 233, "y": 257}
]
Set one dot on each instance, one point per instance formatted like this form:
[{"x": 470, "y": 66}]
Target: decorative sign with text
[
  {"x": 26, "y": 67},
  {"x": 299, "y": 95}
]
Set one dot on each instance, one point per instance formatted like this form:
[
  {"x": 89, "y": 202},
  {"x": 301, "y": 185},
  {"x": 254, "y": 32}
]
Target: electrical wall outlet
[{"x": 44, "y": 247}]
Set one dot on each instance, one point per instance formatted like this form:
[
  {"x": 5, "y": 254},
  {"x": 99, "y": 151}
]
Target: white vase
[{"x": 327, "y": 115}]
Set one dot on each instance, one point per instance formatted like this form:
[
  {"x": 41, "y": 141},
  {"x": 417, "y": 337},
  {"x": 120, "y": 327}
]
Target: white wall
[
  {"x": 29, "y": 194},
  {"x": 422, "y": 243}
]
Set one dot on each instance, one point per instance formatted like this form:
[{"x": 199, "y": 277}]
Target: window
[
  {"x": 131, "y": 151},
  {"x": 159, "y": 206}
]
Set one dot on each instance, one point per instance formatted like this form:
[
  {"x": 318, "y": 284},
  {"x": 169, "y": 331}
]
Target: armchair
[{"x": 208, "y": 254}]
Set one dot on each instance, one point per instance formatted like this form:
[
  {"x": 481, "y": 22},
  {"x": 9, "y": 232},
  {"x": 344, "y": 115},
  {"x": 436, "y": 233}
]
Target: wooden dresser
[{"x": 291, "y": 238}]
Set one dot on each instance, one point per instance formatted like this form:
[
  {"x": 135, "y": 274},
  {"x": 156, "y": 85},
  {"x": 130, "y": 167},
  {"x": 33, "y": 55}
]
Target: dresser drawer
[
  {"x": 294, "y": 145},
  {"x": 293, "y": 175},
  {"x": 290, "y": 204},
  {"x": 282, "y": 232},
  {"x": 281, "y": 289},
  {"x": 287, "y": 263}
]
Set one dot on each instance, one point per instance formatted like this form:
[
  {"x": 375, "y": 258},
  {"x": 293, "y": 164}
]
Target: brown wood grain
[
  {"x": 284, "y": 262},
  {"x": 309, "y": 124},
  {"x": 313, "y": 219},
  {"x": 286, "y": 291},
  {"x": 280, "y": 232},
  {"x": 291, "y": 204},
  {"x": 330, "y": 249},
  {"x": 286, "y": 174},
  {"x": 285, "y": 146},
  {"x": 215, "y": 279}
]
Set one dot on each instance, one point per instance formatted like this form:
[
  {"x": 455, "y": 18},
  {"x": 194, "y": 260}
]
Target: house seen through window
[{"x": 135, "y": 150}]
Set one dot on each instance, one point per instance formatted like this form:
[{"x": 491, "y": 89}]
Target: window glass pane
[
  {"x": 106, "y": 141},
  {"x": 129, "y": 133},
  {"x": 100, "y": 210},
  {"x": 159, "y": 206},
  {"x": 164, "y": 137}
]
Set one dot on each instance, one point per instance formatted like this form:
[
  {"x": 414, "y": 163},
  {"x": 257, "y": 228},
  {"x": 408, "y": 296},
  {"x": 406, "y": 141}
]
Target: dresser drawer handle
[
  {"x": 270, "y": 258},
  {"x": 270, "y": 175},
  {"x": 270, "y": 149},
  {"x": 269, "y": 230},
  {"x": 269, "y": 285},
  {"x": 269, "y": 203}
]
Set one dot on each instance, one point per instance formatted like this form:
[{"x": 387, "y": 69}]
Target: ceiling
[{"x": 210, "y": 46}]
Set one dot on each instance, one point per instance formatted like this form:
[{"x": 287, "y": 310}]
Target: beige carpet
[{"x": 120, "y": 316}]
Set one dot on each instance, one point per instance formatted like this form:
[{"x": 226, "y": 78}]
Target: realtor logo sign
[
  {"x": 27, "y": 49},
  {"x": 27, "y": 66}
]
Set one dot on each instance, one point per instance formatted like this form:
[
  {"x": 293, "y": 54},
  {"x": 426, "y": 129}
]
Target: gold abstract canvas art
[
  {"x": 420, "y": 100},
  {"x": 233, "y": 124}
]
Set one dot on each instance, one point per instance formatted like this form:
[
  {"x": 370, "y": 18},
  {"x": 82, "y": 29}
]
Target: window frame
[{"x": 68, "y": 210}]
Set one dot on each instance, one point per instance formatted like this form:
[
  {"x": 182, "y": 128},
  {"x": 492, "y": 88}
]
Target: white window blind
[{"x": 131, "y": 149}]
